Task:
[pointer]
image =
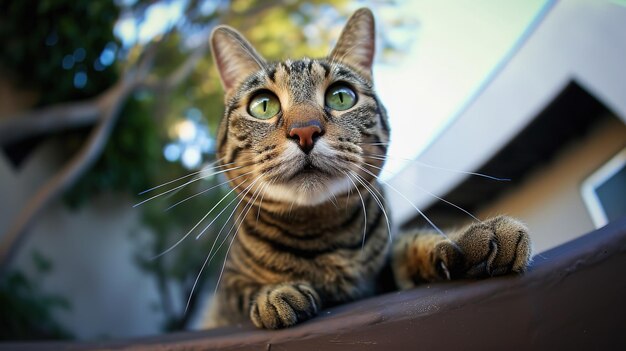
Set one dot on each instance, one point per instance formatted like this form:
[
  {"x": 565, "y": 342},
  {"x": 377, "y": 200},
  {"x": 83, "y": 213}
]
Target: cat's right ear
[
  {"x": 234, "y": 57},
  {"x": 357, "y": 42}
]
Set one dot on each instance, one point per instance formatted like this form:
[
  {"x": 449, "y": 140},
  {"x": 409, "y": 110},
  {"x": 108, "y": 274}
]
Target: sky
[
  {"x": 454, "y": 50},
  {"x": 458, "y": 46}
]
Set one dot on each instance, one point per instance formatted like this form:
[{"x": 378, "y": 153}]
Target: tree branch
[
  {"x": 109, "y": 104},
  {"x": 62, "y": 180},
  {"x": 49, "y": 120},
  {"x": 66, "y": 116}
]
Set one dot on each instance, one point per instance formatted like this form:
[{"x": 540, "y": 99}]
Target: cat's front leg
[
  {"x": 494, "y": 247},
  {"x": 424, "y": 256},
  {"x": 283, "y": 305}
]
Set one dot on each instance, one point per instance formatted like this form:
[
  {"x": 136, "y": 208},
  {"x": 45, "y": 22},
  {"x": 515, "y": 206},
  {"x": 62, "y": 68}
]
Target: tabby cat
[{"x": 305, "y": 140}]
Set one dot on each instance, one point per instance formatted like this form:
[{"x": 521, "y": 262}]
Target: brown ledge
[{"x": 573, "y": 297}]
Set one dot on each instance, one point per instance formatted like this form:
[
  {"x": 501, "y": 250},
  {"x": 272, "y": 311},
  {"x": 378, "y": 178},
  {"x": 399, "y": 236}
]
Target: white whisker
[
  {"x": 250, "y": 205},
  {"x": 292, "y": 203},
  {"x": 197, "y": 224},
  {"x": 258, "y": 213},
  {"x": 242, "y": 197},
  {"x": 333, "y": 198},
  {"x": 426, "y": 165},
  {"x": 407, "y": 199},
  {"x": 431, "y": 194},
  {"x": 364, "y": 210},
  {"x": 204, "y": 169},
  {"x": 378, "y": 200},
  {"x": 185, "y": 184},
  {"x": 216, "y": 217},
  {"x": 447, "y": 202},
  {"x": 210, "y": 254},
  {"x": 376, "y": 144},
  {"x": 205, "y": 190}
]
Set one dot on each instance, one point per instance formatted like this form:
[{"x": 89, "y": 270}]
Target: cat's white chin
[{"x": 308, "y": 193}]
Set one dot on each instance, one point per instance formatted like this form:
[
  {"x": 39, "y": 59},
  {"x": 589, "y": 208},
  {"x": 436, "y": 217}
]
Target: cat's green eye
[
  {"x": 264, "y": 105},
  {"x": 340, "y": 97}
]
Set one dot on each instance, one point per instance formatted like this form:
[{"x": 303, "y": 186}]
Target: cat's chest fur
[{"x": 337, "y": 248}]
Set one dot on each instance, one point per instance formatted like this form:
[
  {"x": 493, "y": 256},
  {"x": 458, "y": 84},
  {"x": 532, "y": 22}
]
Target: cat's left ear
[{"x": 357, "y": 43}]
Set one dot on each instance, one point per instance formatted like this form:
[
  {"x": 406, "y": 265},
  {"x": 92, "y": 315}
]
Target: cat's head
[{"x": 301, "y": 131}]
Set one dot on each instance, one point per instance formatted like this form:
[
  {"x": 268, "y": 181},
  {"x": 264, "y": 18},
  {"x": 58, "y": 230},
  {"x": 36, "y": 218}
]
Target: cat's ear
[
  {"x": 357, "y": 43},
  {"x": 234, "y": 56}
]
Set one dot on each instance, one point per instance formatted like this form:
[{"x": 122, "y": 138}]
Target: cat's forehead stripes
[
  {"x": 302, "y": 80},
  {"x": 295, "y": 80}
]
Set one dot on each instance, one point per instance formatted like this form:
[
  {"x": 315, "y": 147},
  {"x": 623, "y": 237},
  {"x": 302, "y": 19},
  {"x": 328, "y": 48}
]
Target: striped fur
[{"x": 311, "y": 229}]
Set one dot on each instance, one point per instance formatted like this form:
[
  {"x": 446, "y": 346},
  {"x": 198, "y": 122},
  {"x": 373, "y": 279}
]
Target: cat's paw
[
  {"x": 496, "y": 246},
  {"x": 284, "y": 305}
]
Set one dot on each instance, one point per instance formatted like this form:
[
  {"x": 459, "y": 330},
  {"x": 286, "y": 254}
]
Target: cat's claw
[
  {"x": 445, "y": 270},
  {"x": 449, "y": 261}
]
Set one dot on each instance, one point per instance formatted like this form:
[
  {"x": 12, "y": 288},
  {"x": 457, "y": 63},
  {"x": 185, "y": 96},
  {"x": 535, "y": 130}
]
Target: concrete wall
[{"x": 91, "y": 251}]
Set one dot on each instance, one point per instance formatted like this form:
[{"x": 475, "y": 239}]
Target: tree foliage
[
  {"x": 27, "y": 313},
  {"x": 54, "y": 47}
]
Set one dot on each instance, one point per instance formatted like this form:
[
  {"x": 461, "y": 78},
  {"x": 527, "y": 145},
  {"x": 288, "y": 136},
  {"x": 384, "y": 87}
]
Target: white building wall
[{"x": 583, "y": 40}]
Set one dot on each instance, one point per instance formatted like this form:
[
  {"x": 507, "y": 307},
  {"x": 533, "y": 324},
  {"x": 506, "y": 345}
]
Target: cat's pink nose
[{"x": 306, "y": 135}]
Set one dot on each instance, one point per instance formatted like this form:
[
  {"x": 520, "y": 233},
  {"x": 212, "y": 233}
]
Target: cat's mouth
[
  {"x": 309, "y": 170},
  {"x": 308, "y": 181}
]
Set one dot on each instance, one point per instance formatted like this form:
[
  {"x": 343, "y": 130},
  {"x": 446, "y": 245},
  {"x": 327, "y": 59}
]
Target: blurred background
[{"x": 102, "y": 101}]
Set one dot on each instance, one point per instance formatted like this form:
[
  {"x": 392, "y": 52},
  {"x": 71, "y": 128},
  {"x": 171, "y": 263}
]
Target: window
[{"x": 604, "y": 192}]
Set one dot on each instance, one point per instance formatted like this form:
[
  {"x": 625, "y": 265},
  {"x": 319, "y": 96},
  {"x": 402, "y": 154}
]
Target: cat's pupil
[
  {"x": 341, "y": 97},
  {"x": 265, "y": 105}
]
